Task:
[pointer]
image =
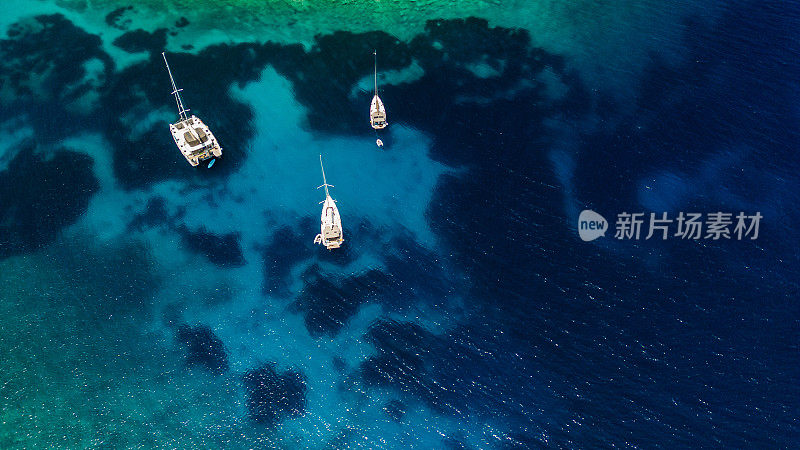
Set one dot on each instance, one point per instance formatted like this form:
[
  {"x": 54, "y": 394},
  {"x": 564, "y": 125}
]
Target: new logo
[{"x": 591, "y": 225}]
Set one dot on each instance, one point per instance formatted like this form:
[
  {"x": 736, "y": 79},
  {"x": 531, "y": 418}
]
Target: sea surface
[{"x": 145, "y": 303}]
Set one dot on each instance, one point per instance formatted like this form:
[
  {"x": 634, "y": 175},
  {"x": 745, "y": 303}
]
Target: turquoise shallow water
[{"x": 149, "y": 304}]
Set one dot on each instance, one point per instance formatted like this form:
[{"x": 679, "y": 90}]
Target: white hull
[
  {"x": 377, "y": 114},
  {"x": 331, "y": 235},
  {"x": 195, "y": 140}
]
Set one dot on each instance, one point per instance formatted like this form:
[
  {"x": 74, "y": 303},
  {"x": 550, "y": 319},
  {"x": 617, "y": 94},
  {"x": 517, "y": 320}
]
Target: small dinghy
[
  {"x": 191, "y": 135},
  {"x": 331, "y": 235},
  {"x": 211, "y": 164},
  {"x": 377, "y": 112},
  {"x": 379, "y": 143}
]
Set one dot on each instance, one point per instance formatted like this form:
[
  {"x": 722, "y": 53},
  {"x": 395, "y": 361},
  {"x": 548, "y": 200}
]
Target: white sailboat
[
  {"x": 331, "y": 235},
  {"x": 193, "y": 138},
  {"x": 377, "y": 112}
]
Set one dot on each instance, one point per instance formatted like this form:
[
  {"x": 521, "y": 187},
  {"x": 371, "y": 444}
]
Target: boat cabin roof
[
  {"x": 191, "y": 133},
  {"x": 332, "y": 232},
  {"x": 193, "y": 141}
]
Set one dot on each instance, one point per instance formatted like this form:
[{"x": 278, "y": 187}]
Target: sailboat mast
[
  {"x": 175, "y": 91},
  {"x": 324, "y": 181},
  {"x": 375, "y": 54}
]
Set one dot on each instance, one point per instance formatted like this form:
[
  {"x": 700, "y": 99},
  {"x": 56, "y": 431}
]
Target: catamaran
[
  {"x": 191, "y": 135},
  {"x": 377, "y": 112},
  {"x": 331, "y": 223}
]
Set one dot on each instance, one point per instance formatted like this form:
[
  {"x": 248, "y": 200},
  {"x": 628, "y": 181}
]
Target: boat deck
[
  {"x": 195, "y": 140},
  {"x": 377, "y": 114}
]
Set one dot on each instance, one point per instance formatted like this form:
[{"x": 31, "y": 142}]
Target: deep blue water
[{"x": 498, "y": 322}]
